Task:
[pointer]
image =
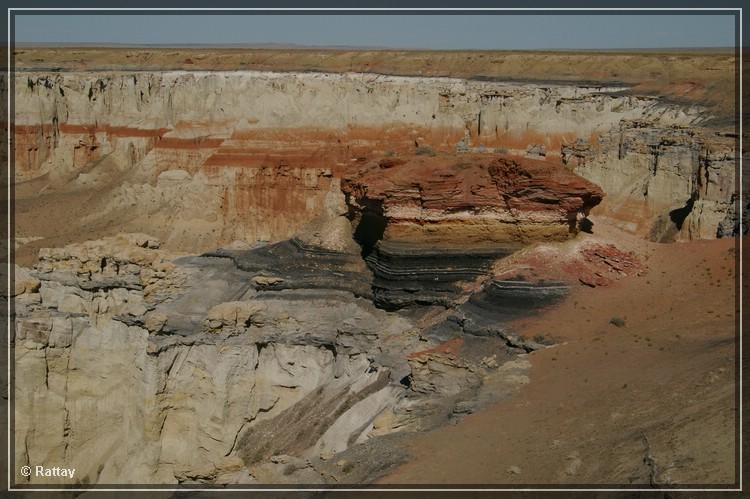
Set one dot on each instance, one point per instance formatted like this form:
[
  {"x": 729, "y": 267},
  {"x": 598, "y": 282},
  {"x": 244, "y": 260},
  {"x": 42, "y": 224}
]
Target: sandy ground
[
  {"x": 651, "y": 402},
  {"x": 704, "y": 76},
  {"x": 54, "y": 219}
]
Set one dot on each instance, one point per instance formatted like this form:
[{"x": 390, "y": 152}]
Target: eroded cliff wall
[
  {"x": 246, "y": 146},
  {"x": 257, "y": 363}
]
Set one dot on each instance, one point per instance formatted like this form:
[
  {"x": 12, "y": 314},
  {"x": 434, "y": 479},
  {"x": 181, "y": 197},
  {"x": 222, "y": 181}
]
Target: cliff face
[
  {"x": 244, "y": 366},
  {"x": 705, "y": 76},
  {"x": 426, "y": 224},
  {"x": 348, "y": 288},
  {"x": 151, "y": 147},
  {"x": 665, "y": 183},
  {"x": 159, "y": 101}
]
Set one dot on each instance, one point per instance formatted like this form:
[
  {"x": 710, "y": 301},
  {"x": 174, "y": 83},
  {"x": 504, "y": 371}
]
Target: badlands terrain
[{"x": 244, "y": 267}]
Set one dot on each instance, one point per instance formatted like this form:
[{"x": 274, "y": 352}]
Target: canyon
[{"x": 278, "y": 275}]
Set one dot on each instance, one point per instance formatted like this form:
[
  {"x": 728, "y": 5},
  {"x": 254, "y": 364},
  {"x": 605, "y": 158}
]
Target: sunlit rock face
[
  {"x": 427, "y": 223},
  {"x": 206, "y": 158},
  {"x": 135, "y": 364},
  {"x": 665, "y": 183},
  {"x": 252, "y": 277}
]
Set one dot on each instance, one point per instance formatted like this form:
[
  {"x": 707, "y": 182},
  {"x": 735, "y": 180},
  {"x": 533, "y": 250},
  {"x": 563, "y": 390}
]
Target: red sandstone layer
[
  {"x": 472, "y": 198},
  {"x": 270, "y": 182}
]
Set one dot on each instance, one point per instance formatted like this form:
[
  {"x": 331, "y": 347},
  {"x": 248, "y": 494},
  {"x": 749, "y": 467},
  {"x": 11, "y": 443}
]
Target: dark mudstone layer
[
  {"x": 408, "y": 274},
  {"x": 488, "y": 312},
  {"x": 293, "y": 265},
  {"x": 508, "y": 300}
]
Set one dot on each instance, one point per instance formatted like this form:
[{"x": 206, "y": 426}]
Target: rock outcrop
[
  {"x": 427, "y": 223},
  {"x": 137, "y": 365},
  {"x": 337, "y": 259},
  {"x": 665, "y": 183},
  {"x": 204, "y": 159}
]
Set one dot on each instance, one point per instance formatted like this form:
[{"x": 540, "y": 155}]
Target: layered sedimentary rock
[
  {"x": 152, "y": 105},
  {"x": 487, "y": 312},
  {"x": 134, "y": 364},
  {"x": 664, "y": 182},
  {"x": 427, "y": 223},
  {"x": 137, "y": 365},
  {"x": 260, "y": 331},
  {"x": 202, "y": 159},
  {"x": 292, "y": 264},
  {"x": 529, "y": 281}
]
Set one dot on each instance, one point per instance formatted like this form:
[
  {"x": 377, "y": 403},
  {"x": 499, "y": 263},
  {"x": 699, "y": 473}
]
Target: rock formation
[
  {"x": 209, "y": 368},
  {"x": 204, "y": 159},
  {"x": 663, "y": 182},
  {"x": 271, "y": 359},
  {"x": 333, "y": 260},
  {"x": 426, "y": 223},
  {"x": 259, "y": 364}
]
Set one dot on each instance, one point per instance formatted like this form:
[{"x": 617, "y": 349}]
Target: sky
[{"x": 483, "y": 31}]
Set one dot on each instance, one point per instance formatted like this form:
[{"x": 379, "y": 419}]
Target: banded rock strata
[
  {"x": 427, "y": 223},
  {"x": 149, "y": 148},
  {"x": 137, "y": 365},
  {"x": 356, "y": 293},
  {"x": 663, "y": 182}
]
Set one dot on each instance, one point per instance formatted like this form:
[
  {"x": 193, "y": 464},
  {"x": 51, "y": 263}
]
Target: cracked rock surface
[{"x": 140, "y": 365}]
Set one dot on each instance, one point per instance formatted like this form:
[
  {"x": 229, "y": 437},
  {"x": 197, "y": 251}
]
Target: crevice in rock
[
  {"x": 260, "y": 346},
  {"x": 679, "y": 215},
  {"x": 46, "y": 370},
  {"x": 655, "y": 162},
  {"x": 331, "y": 348},
  {"x": 236, "y": 437},
  {"x": 371, "y": 226},
  {"x": 586, "y": 225}
]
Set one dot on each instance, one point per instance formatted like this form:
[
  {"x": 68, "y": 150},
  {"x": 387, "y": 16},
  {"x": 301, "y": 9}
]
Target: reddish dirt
[
  {"x": 606, "y": 397},
  {"x": 586, "y": 262},
  {"x": 182, "y": 143},
  {"x": 449, "y": 348},
  {"x": 602, "y": 264}
]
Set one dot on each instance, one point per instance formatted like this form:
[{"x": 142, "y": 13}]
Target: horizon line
[{"x": 281, "y": 45}]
